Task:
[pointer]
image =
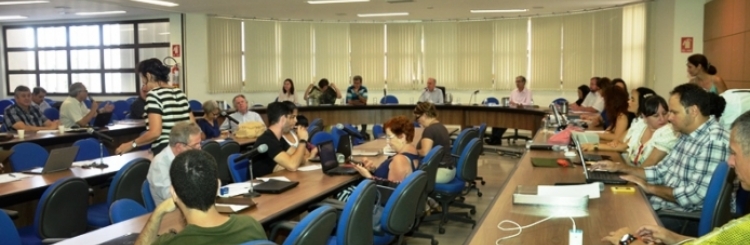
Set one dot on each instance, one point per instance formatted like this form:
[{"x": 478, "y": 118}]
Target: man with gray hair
[
  {"x": 74, "y": 112},
  {"x": 183, "y": 137},
  {"x": 431, "y": 93}
]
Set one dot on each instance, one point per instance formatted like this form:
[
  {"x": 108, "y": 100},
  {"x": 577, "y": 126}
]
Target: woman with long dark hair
[
  {"x": 704, "y": 74},
  {"x": 287, "y": 92}
]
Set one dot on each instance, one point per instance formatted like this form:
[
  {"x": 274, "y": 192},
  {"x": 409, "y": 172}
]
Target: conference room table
[
  {"x": 607, "y": 213},
  {"x": 122, "y": 131},
  {"x": 314, "y": 186}
]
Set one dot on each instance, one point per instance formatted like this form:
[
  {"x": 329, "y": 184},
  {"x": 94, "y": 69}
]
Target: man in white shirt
[
  {"x": 432, "y": 94},
  {"x": 243, "y": 114},
  {"x": 183, "y": 137},
  {"x": 594, "y": 102},
  {"x": 74, "y": 112},
  {"x": 37, "y": 99},
  {"x": 521, "y": 96}
]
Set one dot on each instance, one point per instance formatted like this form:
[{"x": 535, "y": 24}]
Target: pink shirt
[{"x": 521, "y": 97}]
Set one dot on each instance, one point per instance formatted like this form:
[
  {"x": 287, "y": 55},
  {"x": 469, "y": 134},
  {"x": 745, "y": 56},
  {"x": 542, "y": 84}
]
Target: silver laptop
[
  {"x": 59, "y": 159},
  {"x": 597, "y": 176}
]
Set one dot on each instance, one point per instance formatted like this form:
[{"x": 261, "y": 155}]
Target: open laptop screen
[{"x": 327, "y": 156}]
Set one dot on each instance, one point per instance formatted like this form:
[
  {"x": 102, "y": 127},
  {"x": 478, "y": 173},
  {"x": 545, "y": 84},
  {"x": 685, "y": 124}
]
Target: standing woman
[
  {"x": 435, "y": 133},
  {"x": 165, "y": 107},
  {"x": 287, "y": 92},
  {"x": 704, "y": 74}
]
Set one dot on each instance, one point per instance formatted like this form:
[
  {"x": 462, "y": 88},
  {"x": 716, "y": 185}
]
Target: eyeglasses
[{"x": 196, "y": 146}]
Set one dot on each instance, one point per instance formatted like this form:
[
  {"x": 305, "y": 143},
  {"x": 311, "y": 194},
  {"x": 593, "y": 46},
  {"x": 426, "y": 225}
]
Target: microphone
[
  {"x": 231, "y": 119},
  {"x": 476, "y": 92},
  {"x": 254, "y": 152},
  {"x": 100, "y": 135},
  {"x": 349, "y": 131}
]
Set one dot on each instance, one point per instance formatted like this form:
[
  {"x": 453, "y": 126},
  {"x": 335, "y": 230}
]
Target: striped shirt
[{"x": 172, "y": 105}]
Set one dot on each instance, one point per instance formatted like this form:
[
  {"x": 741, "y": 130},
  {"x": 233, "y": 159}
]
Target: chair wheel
[
  {"x": 441, "y": 230},
  {"x": 479, "y": 194},
  {"x": 473, "y": 211},
  {"x": 483, "y": 182}
]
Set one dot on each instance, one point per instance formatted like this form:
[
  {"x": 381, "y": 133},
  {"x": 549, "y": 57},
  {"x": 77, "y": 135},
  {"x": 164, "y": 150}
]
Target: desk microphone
[
  {"x": 230, "y": 118},
  {"x": 254, "y": 152},
  {"x": 349, "y": 131},
  {"x": 100, "y": 135}
]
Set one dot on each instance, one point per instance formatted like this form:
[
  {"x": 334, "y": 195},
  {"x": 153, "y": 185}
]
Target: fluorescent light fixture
[
  {"x": 12, "y": 17},
  {"x": 383, "y": 14},
  {"x": 158, "y": 2},
  {"x": 487, "y": 11},
  {"x": 101, "y": 13},
  {"x": 21, "y": 2},
  {"x": 336, "y": 1}
]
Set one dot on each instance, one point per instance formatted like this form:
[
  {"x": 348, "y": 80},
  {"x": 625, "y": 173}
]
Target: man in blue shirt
[{"x": 357, "y": 95}]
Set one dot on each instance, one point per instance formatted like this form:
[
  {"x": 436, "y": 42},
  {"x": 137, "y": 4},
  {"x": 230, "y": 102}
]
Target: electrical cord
[{"x": 520, "y": 228}]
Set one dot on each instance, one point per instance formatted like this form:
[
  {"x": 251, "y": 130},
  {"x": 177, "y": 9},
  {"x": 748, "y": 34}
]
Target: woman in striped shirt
[{"x": 165, "y": 107}]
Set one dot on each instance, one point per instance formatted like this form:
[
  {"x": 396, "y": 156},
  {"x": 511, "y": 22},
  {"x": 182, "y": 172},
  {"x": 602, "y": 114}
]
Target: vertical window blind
[
  {"x": 261, "y": 56},
  {"x": 608, "y": 43},
  {"x": 474, "y": 55},
  {"x": 367, "y": 54},
  {"x": 403, "y": 56},
  {"x": 578, "y": 51},
  {"x": 546, "y": 55},
  {"x": 440, "y": 53},
  {"x": 224, "y": 55},
  {"x": 331, "y": 52},
  {"x": 634, "y": 45},
  {"x": 511, "y": 52},
  {"x": 296, "y": 53}
]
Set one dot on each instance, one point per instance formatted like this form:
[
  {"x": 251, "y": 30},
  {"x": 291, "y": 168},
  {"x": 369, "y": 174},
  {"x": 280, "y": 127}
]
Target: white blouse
[
  {"x": 663, "y": 139},
  {"x": 287, "y": 97}
]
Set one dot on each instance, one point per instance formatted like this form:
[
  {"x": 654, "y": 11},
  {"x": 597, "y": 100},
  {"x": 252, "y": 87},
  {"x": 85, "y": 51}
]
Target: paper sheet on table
[
  {"x": 5, "y": 178},
  {"x": 233, "y": 207},
  {"x": 309, "y": 167},
  {"x": 592, "y": 190},
  {"x": 47, "y": 131},
  {"x": 281, "y": 178},
  {"x": 82, "y": 163}
]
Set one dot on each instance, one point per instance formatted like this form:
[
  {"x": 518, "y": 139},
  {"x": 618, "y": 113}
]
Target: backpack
[{"x": 738, "y": 102}]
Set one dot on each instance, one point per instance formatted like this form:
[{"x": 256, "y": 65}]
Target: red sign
[
  {"x": 176, "y": 50},
  {"x": 686, "y": 45}
]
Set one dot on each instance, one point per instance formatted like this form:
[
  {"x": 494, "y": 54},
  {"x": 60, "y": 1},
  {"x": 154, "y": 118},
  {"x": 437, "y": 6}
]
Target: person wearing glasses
[
  {"x": 183, "y": 137},
  {"x": 435, "y": 133},
  {"x": 281, "y": 119},
  {"x": 209, "y": 124}
]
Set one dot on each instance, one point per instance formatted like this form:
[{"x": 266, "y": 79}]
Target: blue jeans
[{"x": 681, "y": 226}]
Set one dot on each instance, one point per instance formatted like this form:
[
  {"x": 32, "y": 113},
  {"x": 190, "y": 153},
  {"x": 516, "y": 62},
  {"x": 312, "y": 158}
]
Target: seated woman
[
  {"x": 209, "y": 124},
  {"x": 400, "y": 133},
  {"x": 583, "y": 91},
  {"x": 435, "y": 133},
  {"x": 616, "y": 117},
  {"x": 648, "y": 142}
]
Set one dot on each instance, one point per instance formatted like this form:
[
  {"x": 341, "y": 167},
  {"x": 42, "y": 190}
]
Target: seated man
[
  {"x": 37, "y": 98},
  {"x": 431, "y": 93},
  {"x": 195, "y": 184},
  {"x": 282, "y": 120},
  {"x": 521, "y": 96},
  {"x": 184, "y": 136},
  {"x": 23, "y": 116},
  {"x": 734, "y": 232},
  {"x": 74, "y": 112},
  {"x": 328, "y": 92},
  {"x": 594, "y": 103},
  {"x": 357, "y": 95},
  {"x": 680, "y": 181},
  {"x": 243, "y": 114}
]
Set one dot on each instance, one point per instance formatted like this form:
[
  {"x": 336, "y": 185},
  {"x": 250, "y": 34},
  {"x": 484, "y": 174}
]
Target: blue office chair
[
  {"x": 316, "y": 121},
  {"x": 127, "y": 183},
  {"x": 462, "y": 140},
  {"x": 89, "y": 149},
  {"x": 322, "y": 137},
  {"x": 355, "y": 221},
  {"x": 59, "y": 213},
  {"x": 312, "y": 130},
  {"x": 482, "y": 131},
  {"x": 49, "y": 101},
  {"x": 717, "y": 209},
  {"x": 195, "y": 105},
  {"x": 214, "y": 149},
  {"x": 491, "y": 100},
  {"x": 148, "y": 199},
  {"x": 238, "y": 168},
  {"x": 4, "y": 104},
  {"x": 87, "y": 102},
  {"x": 122, "y": 108},
  {"x": 377, "y": 131},
  {"x": 315, "y": 228},
  {"x": 389, "y": 99},
  {"x": 228, "y": 147},
  {"x": 8, "y": 230},
  {"x": 466, "y": 172},
  {"x": 429, "y": 164},
  {"x": 401, "y": 208},
  {"x": 125, "y": 209},
  {"x": 132, "y": 99},
  {"x": 52, "y": 114},
  {"x": 27, "y": 155},
  {"x": 338, "y": 133}
]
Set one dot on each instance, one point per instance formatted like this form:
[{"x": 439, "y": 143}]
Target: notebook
[
  {"x": 329, "y": 163},
  {"x": 598, "y": 176},
  {"x": 274, "y": 186}
]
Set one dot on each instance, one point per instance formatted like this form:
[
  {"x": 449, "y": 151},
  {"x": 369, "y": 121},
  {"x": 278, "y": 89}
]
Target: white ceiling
[{"x": 301, "y": 10}]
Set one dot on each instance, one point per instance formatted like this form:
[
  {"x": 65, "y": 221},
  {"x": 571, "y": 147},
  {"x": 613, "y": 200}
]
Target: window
[{"x": 102, "y": 56}]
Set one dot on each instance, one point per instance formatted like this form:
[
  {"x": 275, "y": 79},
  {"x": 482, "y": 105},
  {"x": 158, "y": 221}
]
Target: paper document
[
  {"x": 47, "y": 131},
  {"x": 309, "y": 167},
  {"x": 280, "y": 178},
  {"x": 82, "y": 163},
  {"x": 5, "y": 178},
  {"x": 233, "y": 207},
  {"x": 592, "y": 190},
  {"x": 364, "y": 153}
]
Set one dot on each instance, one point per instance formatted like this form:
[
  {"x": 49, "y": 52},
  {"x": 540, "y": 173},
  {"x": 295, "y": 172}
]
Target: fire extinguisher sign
[{"x": 176, "y": 50}]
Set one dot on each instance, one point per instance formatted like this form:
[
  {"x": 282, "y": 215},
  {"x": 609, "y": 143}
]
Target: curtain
[
  {"x": 224, "y": 55},
  {"x": 367, "y": 42},
  {"x": 511, "y": 52},
  {"x": 546, "y": 53},
  {"x": 261, "y": 57},
  {"x": 404, "y": 49}
]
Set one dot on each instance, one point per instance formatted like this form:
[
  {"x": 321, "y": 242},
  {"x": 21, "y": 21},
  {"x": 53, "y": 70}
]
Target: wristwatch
[
  {"x": 134, "y": 145},
  {"x": 627, "y": 239}
]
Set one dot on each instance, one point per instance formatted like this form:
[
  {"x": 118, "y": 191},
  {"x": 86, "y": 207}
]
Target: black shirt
[
  {"x": 328, "y": 97},
  {"x": 137, "y": 108},
  {"x": 263, "y": 164}
]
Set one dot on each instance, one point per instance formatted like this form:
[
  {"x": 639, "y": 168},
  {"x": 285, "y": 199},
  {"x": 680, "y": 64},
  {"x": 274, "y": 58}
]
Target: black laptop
[
  {"x": 345, "y": 147},
  {"x": 102, "y": 120},
  {"x": 273, "y": 186},
  {"x": 598, "y": 176},
  {"x": 328, "y": 162}
]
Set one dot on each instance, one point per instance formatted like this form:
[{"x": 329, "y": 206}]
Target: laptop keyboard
[{"x": 599, "y": 175}]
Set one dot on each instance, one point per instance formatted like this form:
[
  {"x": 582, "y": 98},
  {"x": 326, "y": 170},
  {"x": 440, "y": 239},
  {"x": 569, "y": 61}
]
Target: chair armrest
[
  {"x": 680, "y": 215},
  {"x": 286, "y": 225},
  {"x": 52, "y": 240},
  {"x": 11, "y": 213}
]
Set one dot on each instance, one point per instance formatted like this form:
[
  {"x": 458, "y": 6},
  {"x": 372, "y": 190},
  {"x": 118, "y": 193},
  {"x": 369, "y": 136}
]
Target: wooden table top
[
  {"x": 43, "y": 139},
  {"x": 608, "y": 213}
]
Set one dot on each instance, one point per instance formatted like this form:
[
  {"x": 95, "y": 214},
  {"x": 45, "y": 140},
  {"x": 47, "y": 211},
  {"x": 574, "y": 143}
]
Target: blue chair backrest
[
  {"x": 717, "y": 204},
  {"x": 238, "y": 168},
  {"x": 482, "y": 131},
  {"x": 462, "y": 139},
  {"x": 89, "y": 149},
  {"x": 316, "y": 121},
  {"x": 4, "y": 104},
  {"x": 8, "y": 230},
  {"x": 27, "y": 155},
  {"x": 389, "y": 99},
  {"x": 315, "y": 228},
  {"x": 400, "y": 210},
  {"x": 560, "y": 101},
  {"x": 321, "y": 137},
  {"x": 131, "y": 100},
  {"x": 195, "y": 105},
  {"x": 355, "y": 222},
  {"x": 378, "y": 131},
  {"x": 49, "y": 101},
  {"x": 52, "y": 114},
  {"x": 336, "y": 134},
  {"x": 2, "y": 123},
  {"x": 64, "y": 202},
  {"x": 355, "y": 140},
  {"x": 148, "y": 199},
  {"x": 467, "y": 163},
  {"x": 87, "y": 102},
  {"x": 125, "y": 209},
  {"x": 128, "y": 181},
  {"x": 492, "y": 100},
  {"x": 122, "y": 108},
  {"x": 430, "y": 164}
]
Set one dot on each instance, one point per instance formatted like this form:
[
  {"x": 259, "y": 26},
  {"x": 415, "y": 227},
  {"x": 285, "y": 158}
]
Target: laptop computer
[
  {"x": 328, "y": 162},
  {"x": 345, "y": 147},
  {"x": 598, "y": 176},
  {"x": 273, "y": 186},
  {"x": 59, "y": 159}
]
